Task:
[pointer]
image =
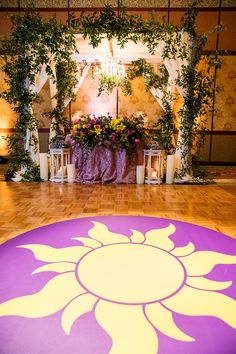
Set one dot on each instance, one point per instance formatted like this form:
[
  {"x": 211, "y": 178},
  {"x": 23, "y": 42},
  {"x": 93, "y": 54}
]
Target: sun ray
[
  {"x": 195, "y": 302},
  {"x": 160, "y": 237},
  {"x": 60, "y": 267},
  {"x": 183, "y": 251},
  {"x": 162, "y": 319},
  {"x": 207, "y": 284},
  {"x": 76, "y": 308},
  {"x": 128, "y": 328},
  {"x": 50, "y": 254},
  {"x": 101, "y": 233},
  {"x": 202, "y": 262},
  {"x": 89, "y": 242},
  {"x": 53, "y": 297},
  {"x": 137, "y": 236}
]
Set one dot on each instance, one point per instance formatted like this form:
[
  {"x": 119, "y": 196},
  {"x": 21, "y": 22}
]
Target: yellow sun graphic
[{"x": 131, "y": 283}]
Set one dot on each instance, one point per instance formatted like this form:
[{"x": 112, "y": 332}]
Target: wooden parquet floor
[{"x": 25, "y": 206}]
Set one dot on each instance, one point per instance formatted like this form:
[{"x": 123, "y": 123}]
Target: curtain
[{"x": 53, "y": 91}]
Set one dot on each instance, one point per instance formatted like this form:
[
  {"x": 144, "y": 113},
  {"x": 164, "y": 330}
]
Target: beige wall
[{"x": 225, "y": 115}]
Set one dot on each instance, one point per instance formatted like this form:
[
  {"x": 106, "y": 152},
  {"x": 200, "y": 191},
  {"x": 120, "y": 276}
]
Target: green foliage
[
  {"x": 31, "y": 44},
  {"x": 107, "y": 83},
  {"x": 140, "y": 67},
  {"x": 66, "y": 73},
  {"x": 165, "y": 125},
  {"x": 124, "y": 27},
  {"x": 197, "y": 83},
  {"x": 32, "y": 174},
  {"x": 34, "y": 42}
]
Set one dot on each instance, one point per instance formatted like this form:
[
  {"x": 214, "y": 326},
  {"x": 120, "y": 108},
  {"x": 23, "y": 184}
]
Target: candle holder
[
  {"x": 154, "y": 166},
  {"x": 59, "y": 159}
]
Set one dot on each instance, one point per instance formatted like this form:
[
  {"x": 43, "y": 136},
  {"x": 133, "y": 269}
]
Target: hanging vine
[
  {"x": 165, "y": 125},
  {"x": 31, "y": 44},
  {"x": 21, "y": 64},
  {"x": 198, "y": 88},
  {"x": 66, "y": 72}
]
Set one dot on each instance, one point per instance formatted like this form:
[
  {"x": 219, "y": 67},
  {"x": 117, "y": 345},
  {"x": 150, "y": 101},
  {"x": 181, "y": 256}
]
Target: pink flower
[
  {"x": 137, "y": 141},
  {"x": 88, "y": 125},
  {"x": 106, "y": 143},
  {"x": 113, "y": 136}
]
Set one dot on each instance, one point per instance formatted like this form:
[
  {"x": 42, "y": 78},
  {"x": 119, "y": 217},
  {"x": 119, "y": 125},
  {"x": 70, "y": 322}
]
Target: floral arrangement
[{"x": 121, "y": 132}]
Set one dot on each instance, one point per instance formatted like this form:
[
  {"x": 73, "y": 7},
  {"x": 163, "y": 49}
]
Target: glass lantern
[
  {"x": 59, "y": 159},
  {"x": 154, "y": 166}
]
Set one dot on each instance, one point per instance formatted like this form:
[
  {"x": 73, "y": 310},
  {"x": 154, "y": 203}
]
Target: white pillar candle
[
  {"x": 154, "y": 174},
  {"x": 149, "y": 172},
  {"x": 140, "y": 174},
  {"x": 170, "y": 169},
  {"x": 71, "y": 172},
  {"x": 43, "y": 161}
]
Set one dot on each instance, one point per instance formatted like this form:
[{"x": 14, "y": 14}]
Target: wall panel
[{"x": 227, "y": 38}]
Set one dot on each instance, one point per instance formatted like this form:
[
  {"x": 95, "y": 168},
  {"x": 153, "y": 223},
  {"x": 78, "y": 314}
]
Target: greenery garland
[
  {"x": 198, "y": 87},
  {"x": 66, "y": 73},
  {"x": 165, "y": 124},
  {"x": 31, "y": 44}
]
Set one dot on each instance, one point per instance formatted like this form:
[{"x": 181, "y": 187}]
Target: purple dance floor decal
[{"x": 118, "y": 285}]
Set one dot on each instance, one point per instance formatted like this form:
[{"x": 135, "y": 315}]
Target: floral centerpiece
[{"x": 121, "y": 132}]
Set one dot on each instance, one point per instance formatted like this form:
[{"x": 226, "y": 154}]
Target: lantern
[
  {"x": 154, "y": 166},
  {"x": 59, "y": 159}
]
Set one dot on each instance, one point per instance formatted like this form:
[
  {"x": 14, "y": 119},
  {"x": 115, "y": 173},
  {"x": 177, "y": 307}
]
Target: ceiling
[
  {"x": 131, "y": 51},
  {"x": 100, "y": 3}
]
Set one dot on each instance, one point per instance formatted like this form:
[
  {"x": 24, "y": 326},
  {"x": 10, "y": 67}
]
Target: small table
[
  {"x": 59, "y": 159},
  {"x": 154, "y": 166}
]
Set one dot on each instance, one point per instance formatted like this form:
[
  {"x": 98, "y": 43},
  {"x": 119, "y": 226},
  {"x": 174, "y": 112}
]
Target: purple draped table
[{"x": 103, "y": 164}]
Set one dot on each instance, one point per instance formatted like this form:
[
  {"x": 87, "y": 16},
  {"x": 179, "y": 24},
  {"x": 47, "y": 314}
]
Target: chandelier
[
  {"x": 111, "y": 72},
  {"x": 111, "y": 68}
]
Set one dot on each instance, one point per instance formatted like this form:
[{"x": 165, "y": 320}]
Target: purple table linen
[{"x": 103, "y": 165}]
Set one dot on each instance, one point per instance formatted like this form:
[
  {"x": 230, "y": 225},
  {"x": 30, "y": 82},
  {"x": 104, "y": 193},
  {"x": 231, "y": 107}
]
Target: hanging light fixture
[{"x": 111, "y": 68}]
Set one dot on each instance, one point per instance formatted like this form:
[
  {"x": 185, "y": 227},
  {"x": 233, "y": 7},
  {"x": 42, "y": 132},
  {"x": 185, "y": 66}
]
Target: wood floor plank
[{"x": 25, "y": 206}]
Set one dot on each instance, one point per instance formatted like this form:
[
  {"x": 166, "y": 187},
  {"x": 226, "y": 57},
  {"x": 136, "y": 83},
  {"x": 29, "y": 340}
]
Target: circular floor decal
[{"x": 118, "y": 285}]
